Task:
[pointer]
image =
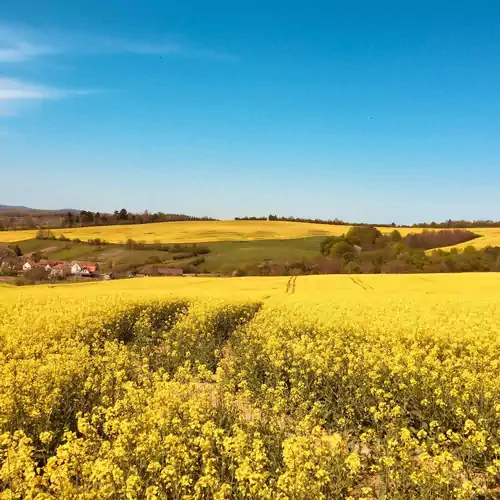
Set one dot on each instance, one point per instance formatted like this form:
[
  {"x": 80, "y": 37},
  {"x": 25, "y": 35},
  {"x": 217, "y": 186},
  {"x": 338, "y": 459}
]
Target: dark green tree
[
  {"x": 365, "y": 236},
  {"x": 395, "y": 236}
]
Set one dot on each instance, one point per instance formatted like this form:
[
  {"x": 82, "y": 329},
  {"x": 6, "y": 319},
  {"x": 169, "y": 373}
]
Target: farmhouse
[
  {"x": 76, "y": 268},
  {"x": 90, "y": 270},
  {"x": 84, "y": 268},
  {"x": 29, "y": 264},
  {"x": 49, "y": 264},
  {"x": 61, "y": 270}
]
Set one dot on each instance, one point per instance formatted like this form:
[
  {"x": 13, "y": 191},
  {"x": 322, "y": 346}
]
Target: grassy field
[
  {"x": 369, "y": 387},
  {"x": 224, "y": 256}
]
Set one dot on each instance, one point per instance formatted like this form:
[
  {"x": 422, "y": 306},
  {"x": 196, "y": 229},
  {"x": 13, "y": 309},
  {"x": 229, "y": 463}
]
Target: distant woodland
[
  {"x": 458, "y": 224},
  {"x": 12, "y": 218}
]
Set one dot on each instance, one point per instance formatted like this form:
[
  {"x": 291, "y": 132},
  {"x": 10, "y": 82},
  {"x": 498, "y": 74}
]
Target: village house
[
  {"x": 84, "y": 268},
  {"x": 61, "y": 270},
  {"x": 49, "y": 264},
  {"x": 76, "y": 269},
  {"x": 90, "y": 270},
  {"x": 29, "y": 264}
]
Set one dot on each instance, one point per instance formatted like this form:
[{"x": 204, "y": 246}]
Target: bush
[
  {"x": 435, "y": 239},
  {"x": 327, "y": 244},
  {"x": 328, "y": 265},
  {"x": 153, "y": 259},
  {"x": 183, "y": 255},
  {"x": 150, "y": 270},
  {"x": 45, "y": 234},
  {"x": 364, "y": 236},
  {"x": 395, "y": 236},
  {"x": 344, "y": 250},
  {"x": 36, "y": 274},
  {"x": 197, "y": 261},
  {"x": 469, "y": 249}
]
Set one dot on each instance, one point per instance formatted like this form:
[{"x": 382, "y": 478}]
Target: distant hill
[{"x": 22, "y": 208}]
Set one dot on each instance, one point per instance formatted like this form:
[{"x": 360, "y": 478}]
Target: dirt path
[{"x": 291, "y": 285}]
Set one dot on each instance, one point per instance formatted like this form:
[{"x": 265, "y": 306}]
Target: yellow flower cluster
[{"x": 147, "y": 394}]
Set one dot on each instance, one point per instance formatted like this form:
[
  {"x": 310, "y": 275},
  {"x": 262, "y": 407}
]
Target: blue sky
[{"x": 374, "y": 111}]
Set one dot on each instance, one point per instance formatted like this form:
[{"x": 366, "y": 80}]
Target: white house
[
  {"x": 84, "y": 268},
  {"x": 76, "y": 268},
  {"x": 89, "y": 269},
  {"x": 28, "y": 265}
]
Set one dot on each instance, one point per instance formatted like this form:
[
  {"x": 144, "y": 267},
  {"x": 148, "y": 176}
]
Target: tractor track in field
[
  {"x": 291, "y": 285},
  {"x": 365, "y": 286}
]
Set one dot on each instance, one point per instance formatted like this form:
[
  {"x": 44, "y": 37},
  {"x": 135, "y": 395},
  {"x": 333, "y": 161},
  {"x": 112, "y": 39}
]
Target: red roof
[
  {"x": 86, "y": 264},
  {"x": 91, "y": 268},
  {"x": 61, "y": 265}
]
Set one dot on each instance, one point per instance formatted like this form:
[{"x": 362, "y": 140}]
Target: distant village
[
  {"x": 47, "y": 269},
  {"x": 54, "y": 268}
]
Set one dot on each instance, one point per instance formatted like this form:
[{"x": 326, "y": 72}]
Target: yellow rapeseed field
[
  {"x": 359, "y": 387},
  {"x": 190, "y": 231},
  {"x": 210, "y": 231}
]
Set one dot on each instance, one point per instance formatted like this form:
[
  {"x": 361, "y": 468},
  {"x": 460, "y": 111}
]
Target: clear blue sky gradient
[{"x": 374, "y": 111}]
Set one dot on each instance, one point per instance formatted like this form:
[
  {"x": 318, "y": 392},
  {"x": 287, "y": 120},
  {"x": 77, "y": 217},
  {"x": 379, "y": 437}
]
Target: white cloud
[
  {"x": 21, "y": 51},
  {"x": 15, "y": 95},
  {"x": 19, "y": 44},
  {"x": 12, "y": 89}
]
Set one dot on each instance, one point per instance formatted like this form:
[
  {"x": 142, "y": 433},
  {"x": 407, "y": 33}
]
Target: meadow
[
  {"x": 362, "y": 387},
  {"x": 219, "y": 231}
]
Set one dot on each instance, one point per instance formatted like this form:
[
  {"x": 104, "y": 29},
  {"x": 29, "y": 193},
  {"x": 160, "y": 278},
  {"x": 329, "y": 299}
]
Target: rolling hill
[{"x": 221, "y": 231}]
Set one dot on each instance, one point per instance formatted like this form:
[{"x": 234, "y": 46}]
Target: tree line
[
  {"x": 123, "y": 216},
  {"x": 365, "y": 250},
  {"x": 448, "y": 224}
]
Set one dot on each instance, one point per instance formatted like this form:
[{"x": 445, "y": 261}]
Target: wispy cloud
[
  {"x": 21, "y": 51},
  {"x": 16, "y": 94},
  {"x": 12, "y": 89},
  {"x": 20, "y": 44},
  {"x": 17, "y": 90},
  {"x": 159, "y": 48}
]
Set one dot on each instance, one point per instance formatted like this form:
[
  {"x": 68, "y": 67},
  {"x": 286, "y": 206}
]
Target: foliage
[
  {"x": 364, "y": 236},
  {"x": 436, "y": 239},
  {"x": 379, "y": 253}
]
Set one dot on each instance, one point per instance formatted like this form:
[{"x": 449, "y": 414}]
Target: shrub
[
  {"x": 395, "y": 236},
  {"x": 36, "y": 274},
  {"x": 364, "y": 236},
  {"x": 435, "y": 239},
  {"x": 344, "y": 250}
]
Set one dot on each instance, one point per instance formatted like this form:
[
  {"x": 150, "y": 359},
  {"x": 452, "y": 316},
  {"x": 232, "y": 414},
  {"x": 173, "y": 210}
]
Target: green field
[{"x": 223, "y": 257}]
